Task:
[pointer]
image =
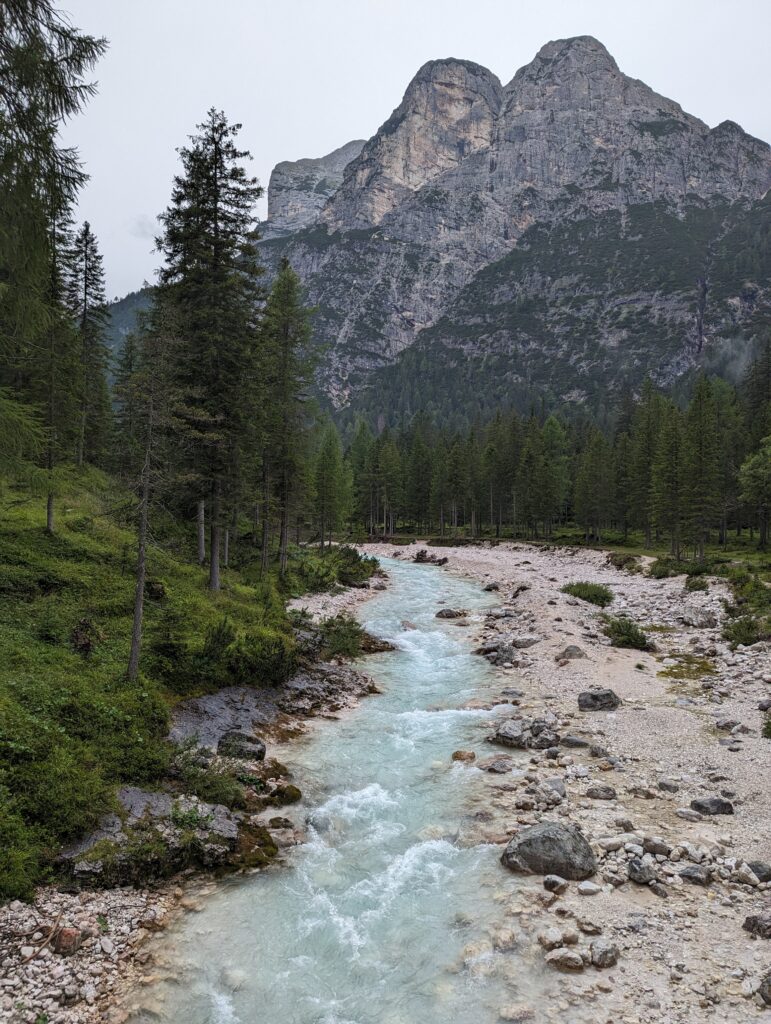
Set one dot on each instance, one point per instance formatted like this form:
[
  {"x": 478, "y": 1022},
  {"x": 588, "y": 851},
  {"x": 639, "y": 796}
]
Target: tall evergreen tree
[
  {"x": 667, "y": 478},
  {"x": 211, "y": 275},
  {"x": 88, "y": 306},
  {"x": 701, "y": 466}
]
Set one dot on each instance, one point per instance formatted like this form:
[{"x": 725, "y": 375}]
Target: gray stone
[
  {"x": 641, "y": 871},
  {"x": 668, "y": 785},
  {"x": 551, "y": 848},
  {"x": 589, "y": 889},
  {"x": 712, "y": 805},
  {"x": 759, "y": 925},
  {"x": 565, "y": 959},
  {"x": 761, "y": 869},
  {"x": 554, "y": 883},
  {"x": 570, "y": 653},
  {"x": 601, "y": 791},
  {"x": 598, "y": 699},
  {"x": 242, "y": 746},
  {"x": 604, "y": 953},
  {"x": 696, "y": 874}
]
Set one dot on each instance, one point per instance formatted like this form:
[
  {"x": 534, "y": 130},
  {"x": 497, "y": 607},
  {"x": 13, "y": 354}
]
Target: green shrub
[
  {"x": 663, "y": 568},
  {"x": 341, "y": 637},
  {"x": 694, "y": 583},
  {"x": 595, "y": 593},
  {"x": 625, "y": 633},
  {"x": 624, "y": 560},
  {"x": 767, "y": 728},
  {"x": 745, "y": 630}
]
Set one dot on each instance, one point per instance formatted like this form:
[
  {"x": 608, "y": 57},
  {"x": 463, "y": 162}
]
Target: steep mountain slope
[{"x": 471, "y": 195}]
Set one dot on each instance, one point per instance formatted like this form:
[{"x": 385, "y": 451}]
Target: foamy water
[{"x": 380, "y": 918}]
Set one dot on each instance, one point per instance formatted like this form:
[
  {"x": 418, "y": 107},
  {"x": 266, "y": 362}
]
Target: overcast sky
[{"x": 306, "y": 76}]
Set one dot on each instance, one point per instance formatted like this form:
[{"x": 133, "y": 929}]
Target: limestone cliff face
[
  {"x": 298, "y": 189},
  {"x": 464, "y": 169}
]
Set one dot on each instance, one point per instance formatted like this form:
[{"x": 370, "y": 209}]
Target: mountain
[
  {"x": 560, "y": 236},
  {"x": 552, "y": 240}
]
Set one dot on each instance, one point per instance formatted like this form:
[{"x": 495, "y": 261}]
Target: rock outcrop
[{"x": 437, "y": 234}]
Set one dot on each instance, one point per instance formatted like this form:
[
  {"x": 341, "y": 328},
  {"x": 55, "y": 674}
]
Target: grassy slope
[{"x": 71, "y": 727}]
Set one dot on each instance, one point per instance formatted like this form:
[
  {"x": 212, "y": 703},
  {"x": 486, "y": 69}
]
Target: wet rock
[
  {"x": 712, "y": 805},
  {"x": 601, "y": 792},
  {"x": 464, "y": 755},
  {"x": 565, "y": 959},
  {"x": 240, "y": 745},
  {"x": 575, "y": 742},
  {"x": 451, "y": 613},
  {"x": 598, "y": 699},
  {"x": 424, "y": 557},
  {"x": 604, "y": 953},
  {"x": 641, "y": 871},
  {"x": 759, "y": 925},
  {"x": 550, "y": 938},
  {"x": 499, "y": 765},
  {"x": 525, "y": 733},
  {"x": 551, "y": 848},
  {"x": 696, "y": 874},
  {"x": 491, "y": 588}
]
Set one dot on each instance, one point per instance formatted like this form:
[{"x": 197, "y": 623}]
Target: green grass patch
[
  {"x": 594, "y": 593},
  {"x": 689, "y": 666},
  {"x": 622, "y": 632}
]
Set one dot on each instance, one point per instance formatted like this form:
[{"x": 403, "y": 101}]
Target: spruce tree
[
  {"x": 88, "y": 306},
  {"x": 701, "y": 478},
  {"x": 667, "y": 500},
  {"x": 212, "y": 278}
]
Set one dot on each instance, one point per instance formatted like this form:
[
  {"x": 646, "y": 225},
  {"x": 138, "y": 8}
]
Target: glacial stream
[{"x": 383, "y": 916}]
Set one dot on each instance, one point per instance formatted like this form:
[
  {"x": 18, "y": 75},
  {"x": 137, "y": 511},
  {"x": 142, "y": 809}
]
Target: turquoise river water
[{"x": 382, "y": 917}]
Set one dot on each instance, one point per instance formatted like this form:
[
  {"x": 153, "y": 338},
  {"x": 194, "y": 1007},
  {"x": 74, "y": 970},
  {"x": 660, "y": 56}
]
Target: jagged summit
[{"x": 464, "y": 171}]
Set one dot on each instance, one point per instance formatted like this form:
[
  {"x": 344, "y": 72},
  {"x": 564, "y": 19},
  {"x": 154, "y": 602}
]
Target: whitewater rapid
[{"x": 384, "y": 915}]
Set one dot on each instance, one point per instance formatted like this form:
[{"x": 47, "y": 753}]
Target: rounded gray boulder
[{"x": 550, "y": 848}]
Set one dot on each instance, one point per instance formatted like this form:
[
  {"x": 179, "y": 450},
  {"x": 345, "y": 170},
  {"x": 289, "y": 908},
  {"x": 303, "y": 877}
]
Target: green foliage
[
  {"x": 341, "y": 637},
  {"x": 745, "y": 630},
  {"x": 689, "y": 667},
  {"x": 625, "y": 561},
  {"x": 696, "y": 583},
  {"x": 72, "y": 727},
  {"x": 595, "y": 593},
  {"x": 767, "y": 727},
  {"x": 622, "y": 632}
]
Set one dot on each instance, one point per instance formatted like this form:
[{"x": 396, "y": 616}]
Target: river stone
[
  {"x": 239, "y": 745},
  {"x": 696, "y": 874},
  {"x": 553, "y": 883},
  {"x": 464, "y": 755},
  {"x": 451, "y": 613},
  {"x": 601, "y": 792},
  {"x": 641, "y": 871},
  {"x": 565, "y": 959},
  {"x": 598, "y": 699},
  {"x": 604, "y": 953},
  {"x": 576, "y": 742},
  {"x": 760, "y": 869},
  {"x": 759, "y": 924},
  {"x": 712, "y": 805},
  {"x": 551, "y": 848},
  {"x": 765, "y": 989},
  {"x": 570, "y": 653},
  {"x": 700, "y": 618}
]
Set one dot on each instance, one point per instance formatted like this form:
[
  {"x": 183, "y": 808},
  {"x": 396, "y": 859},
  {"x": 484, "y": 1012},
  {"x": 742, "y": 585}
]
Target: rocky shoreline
[
  {"x": 630, "y": 790},
  {"x": 70, "y": 955}
]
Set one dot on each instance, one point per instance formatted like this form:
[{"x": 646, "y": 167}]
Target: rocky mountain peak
[
  {"x": 448, "y": 112},
  {"x": 561, "y": 58}
]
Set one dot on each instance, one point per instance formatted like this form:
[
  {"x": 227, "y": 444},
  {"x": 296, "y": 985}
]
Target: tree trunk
[
  {"x": 226, "y": 548},
  {"x": 265, "y": 559},
  {"x": 201, "y": 526},
  {"x": 81, "y": 436},
  {"x": 50, "y": 513},
  {"x": 215, "y": 531}
]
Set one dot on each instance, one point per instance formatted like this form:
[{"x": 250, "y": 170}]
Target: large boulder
[
  {"x": 712, "y": 805},
  {"x": 598, "y": 699},
  {"x": 551, "y": 848},
  {"x": 525, "y": 733},
  {"x": 700, "y": 618}
]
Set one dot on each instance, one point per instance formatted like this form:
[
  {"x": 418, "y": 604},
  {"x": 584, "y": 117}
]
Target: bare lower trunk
[
  {"x": 214, "y": 540},
  {"x": 50, "y": 513},
  {"x": 226, "y": 548},
  {"x": 283, "y": 543},
  {"x": 201, "y": 525},
  {"x": 264, "y": 561}
]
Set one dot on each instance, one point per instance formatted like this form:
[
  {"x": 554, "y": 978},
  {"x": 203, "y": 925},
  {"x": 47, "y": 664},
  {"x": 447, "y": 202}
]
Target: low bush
[
  {"x": 745, "y": 631},
  {"x": 622, "y": 632},
  {"x": 594, "y": 593},
  {"x": 696, "y": 583},
  {"x": 341, "y": 637},
  {"x": 624, "y": 560}
]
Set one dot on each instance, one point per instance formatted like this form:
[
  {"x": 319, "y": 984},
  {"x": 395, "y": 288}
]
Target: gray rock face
[
  {"x": 299, "y": 189},
  {"x": 551, "y": 849},
  {"x": 463, "y": 169},
  {"x": 240, "y": 745}
]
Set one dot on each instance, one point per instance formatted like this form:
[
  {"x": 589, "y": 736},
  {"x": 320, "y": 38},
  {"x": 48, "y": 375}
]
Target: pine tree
[
  {"x": 667, "y": 479},
  {"x": 644, "y": 438},
  {"x": 286, "y": 335},
  {"x": 755, "y": 484},
  {"x": 211, "y": 276},
  {"x": 87, "y": 304},
  {"x": 701, "y": 467},
  {"x": 330, "y": 500},
  {"x": 556, "y": 474},
  {"x": 594, "y": 486}
]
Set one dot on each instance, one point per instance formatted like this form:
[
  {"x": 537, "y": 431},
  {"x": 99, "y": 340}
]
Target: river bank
[
  {"x": 67, "y": 957},
  {"x": 688, "y": 728}
]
